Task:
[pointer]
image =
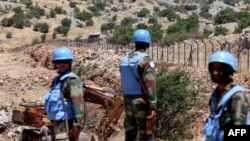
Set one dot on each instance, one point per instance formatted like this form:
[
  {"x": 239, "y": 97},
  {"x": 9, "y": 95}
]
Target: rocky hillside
[
  {"x": 12, "y": 37},
  {"x": 26, "y": 75}
]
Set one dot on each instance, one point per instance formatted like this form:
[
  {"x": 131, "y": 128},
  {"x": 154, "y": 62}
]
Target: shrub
[
  {"x": 9, "y": 35},
  {"x": 72, "y": 4},
  {"x": 176, "y": 95},
  {"x": 220, "y": 30},
  {"x": 107, "y": 26},
  {"x": 43, "y": 37},
  {"x": 42, "y": 27},
  {"x": 153, "y": 20},
  {"x": 66, "y": 22},
  {"x": 143, "y": 13},
  {"x": 89, "y": 22},
  {"x": 7, "y": 22}
]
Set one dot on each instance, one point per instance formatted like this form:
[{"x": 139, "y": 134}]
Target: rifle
[{"x": 149, "y": 123}]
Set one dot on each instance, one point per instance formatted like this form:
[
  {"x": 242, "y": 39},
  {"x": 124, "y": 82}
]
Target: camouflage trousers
[
  {"x": 61, "y": 133},
  {"x": 135, "y": 120}
]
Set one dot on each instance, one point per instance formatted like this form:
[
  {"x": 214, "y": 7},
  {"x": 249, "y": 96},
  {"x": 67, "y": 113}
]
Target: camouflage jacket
[
  {"x": 236, "y": 108},
  {"x": 146, "y": 71},
  {"x": 73, "y": 91}
]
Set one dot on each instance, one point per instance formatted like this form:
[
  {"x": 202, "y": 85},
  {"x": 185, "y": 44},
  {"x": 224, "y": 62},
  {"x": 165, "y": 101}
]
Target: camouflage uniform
[
  {"x": 136, "y": 109},
  {"x": 72, "y": 90},
  {"x": 236, "y": 108}
]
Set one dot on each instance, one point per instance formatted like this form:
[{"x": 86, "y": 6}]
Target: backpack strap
[
  {"x": 67, "y": 75},
  {"x": 71, "y": 74},
  {"x": 62, "y": 81},
  {"x": 224, "y": 99}
]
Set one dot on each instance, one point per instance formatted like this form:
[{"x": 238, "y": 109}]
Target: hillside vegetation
[
  {"x": 183, "y": 91},
  {"x": 26, "y": 22}
]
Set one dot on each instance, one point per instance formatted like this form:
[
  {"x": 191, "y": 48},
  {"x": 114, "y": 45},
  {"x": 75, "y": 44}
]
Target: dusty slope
[{"x": 26, "y": 75}]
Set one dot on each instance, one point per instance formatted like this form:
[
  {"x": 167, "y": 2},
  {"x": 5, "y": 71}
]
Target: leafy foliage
[
  {"x": 84, "y": 15},
  {"x": 220, "y": 30},
  {"x": 42, "y": 27},
  {"x": 182, "y": 30},
  {"x": 128, "y": 21},
  {"x": 225, "y": 16},
  {"x": 169, "y": 13},
  {"x": 143, "y": 12},
  {"x": 177, "y": 94},
  {"x": 122, "y": 35},
  {"x": 36, "y": 12},
  {"x": 107, "y": 26}
]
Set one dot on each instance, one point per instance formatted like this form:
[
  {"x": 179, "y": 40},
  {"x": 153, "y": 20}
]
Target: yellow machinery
[{"x": 32, "y": 114}]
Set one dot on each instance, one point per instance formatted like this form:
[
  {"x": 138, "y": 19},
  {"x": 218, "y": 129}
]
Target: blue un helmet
[
  {"x": 224, "y": 57},
  {"x": 62, "y": 53},
  {"x": 141, "y": 35}
]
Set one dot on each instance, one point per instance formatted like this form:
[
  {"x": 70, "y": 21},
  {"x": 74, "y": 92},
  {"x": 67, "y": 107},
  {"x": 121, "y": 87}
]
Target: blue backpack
[{"x": 212, "y": 126}]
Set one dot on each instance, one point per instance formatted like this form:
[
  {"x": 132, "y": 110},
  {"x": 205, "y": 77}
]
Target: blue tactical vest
[
  {"x": 130, "y": 79},
  {"x": 53, "y": 100},
  {"x": 212, "y": 126}
]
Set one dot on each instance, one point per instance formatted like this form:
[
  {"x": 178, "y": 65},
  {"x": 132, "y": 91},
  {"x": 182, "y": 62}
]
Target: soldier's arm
[
  {"x": 239, "y": 108},
  {"x": 146, "y": 68},
  {"x": 74, "y": 91}
]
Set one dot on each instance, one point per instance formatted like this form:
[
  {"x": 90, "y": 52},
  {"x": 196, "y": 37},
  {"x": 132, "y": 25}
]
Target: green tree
[
  {"x": 62, "y": 30},
  {"x": 42, "y": 27},
  {"x": 19, "y": 21},
  {"x": 143, "y": 12},
  {"x": 169, "y": 13},
  {"x": 225, "y": 16},
  {"x": 122, "y": 35},
  {"x": 156, "y": 32},
  {"x": 35, "y": 12},
  {"x": 66, "y": 22},
  {"x": 59, "y": 10},
  {"x": 189, "y": 25},
  {"x": 83, "y": 16},
  {"x": 107, "y": 26},
  {"x": 128, "y": 21}
]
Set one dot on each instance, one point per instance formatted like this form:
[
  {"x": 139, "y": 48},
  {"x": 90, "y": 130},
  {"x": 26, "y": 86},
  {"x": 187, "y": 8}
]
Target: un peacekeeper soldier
[
  {"x": 64, "y": 101},
  {"x": 138, "y": 86},
  {"x": 222, "y": 66}
]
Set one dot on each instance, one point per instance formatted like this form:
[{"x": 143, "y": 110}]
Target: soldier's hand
[{"x": 152, "y": 115}]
